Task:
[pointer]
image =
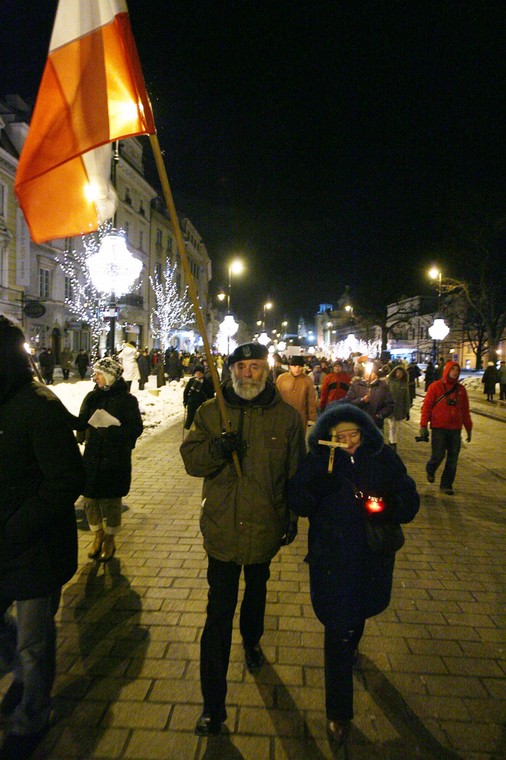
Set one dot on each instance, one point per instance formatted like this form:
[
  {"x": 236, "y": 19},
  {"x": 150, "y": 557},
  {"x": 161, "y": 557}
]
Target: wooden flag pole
[{"x": 162, "y": 173}]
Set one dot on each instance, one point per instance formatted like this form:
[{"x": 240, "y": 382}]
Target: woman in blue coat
[{"x": 349, "y": 581}]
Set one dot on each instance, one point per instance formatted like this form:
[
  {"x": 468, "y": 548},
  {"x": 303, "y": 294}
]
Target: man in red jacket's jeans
[{"x": 446, "y": 407}]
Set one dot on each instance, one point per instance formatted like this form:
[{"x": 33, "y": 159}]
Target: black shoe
[
  {"x": 447, "y": 491},
  {"x": 207, "y": 726},
  {"x": 20, "y": 746},
  {"x": 430, "y": 477},
  {"x": 11, "y": 699},
  {"x": 254, "y": 658}
]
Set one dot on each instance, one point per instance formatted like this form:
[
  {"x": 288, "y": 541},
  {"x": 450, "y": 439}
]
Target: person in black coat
[
  {"x": 47, "y": 364},
  {"x": 41, "y": 476},
  {"x": 109, "y": 424},
  {"x": 143, "y": 364},
  {"x": 82, "y": 363},
  {"x": 197, "y": 390},
  {"x": 349, "y": 582}
]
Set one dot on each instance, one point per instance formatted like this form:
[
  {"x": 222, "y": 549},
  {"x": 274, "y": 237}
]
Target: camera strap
[{"x": 452, "y": 390}]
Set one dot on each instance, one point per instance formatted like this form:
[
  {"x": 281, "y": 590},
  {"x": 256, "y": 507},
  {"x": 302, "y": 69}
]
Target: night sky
[{"x": 324, "y": 142}]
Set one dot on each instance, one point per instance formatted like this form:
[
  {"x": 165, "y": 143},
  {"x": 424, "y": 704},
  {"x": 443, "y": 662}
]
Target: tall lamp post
[
  {"x": 267, "y": 307},
  {"x": 439, "y": 330},
  {"x": 113, "y": 269},
  {"x": 229, "y": 326}
]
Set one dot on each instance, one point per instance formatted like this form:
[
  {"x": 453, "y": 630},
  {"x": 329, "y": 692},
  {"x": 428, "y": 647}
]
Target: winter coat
[
  {"x": 335, "y": 386},
  {"x": 41, "y": 476},
  {"x": 143, "y": 364},
  {"x": 348, "y": 581},
  {"x": 173, "y": 366},
  {"x": 108, "y": 450},
  {"x": 380, "y": 404},
  {"x": 243, "y": 519},
  {"x": 66, "y": 359},
  {"x": 128, "y": 359},
  {"x": 490, "y": 379},
  {"x": 445, "y": 414},
  {"x": 400, "y": 393},
  {"x": 82, "y": 362},
  {"x": 194, "y": 394},
  {"x": 299, "y": 393},
  {"x": 46, "y": 361}
]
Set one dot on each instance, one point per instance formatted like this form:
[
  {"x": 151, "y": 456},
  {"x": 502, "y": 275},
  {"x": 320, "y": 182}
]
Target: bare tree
[{"x": 171, "y": 311}]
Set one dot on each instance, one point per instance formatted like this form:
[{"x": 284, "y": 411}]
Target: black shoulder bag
[{"x": 383, "y": 536}]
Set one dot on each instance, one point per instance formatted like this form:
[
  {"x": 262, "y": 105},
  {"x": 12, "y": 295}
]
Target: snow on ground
[{"x": 159, "y": 407}]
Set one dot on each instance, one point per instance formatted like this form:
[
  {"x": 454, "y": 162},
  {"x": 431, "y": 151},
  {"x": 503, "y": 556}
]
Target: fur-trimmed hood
[{"x": 343, "y": 412}]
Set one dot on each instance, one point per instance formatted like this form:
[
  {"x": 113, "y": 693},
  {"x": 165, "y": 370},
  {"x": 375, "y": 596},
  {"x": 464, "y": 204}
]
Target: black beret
[
  {"x": 248, "y": 351},
  {"x": 297, "y": 361}
]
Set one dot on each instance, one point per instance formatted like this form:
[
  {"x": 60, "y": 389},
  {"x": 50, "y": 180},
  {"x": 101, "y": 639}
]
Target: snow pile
[{"x": 159, "y": 407}]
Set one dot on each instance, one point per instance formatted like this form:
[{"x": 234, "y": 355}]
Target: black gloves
[
  {"x": 407, "y": 416},
  {"x": 468, "y": 439},
  {"x": 291, "y": 532},
  {"x": 424, "y": 435},
  {"x": 226, "y": 444}
]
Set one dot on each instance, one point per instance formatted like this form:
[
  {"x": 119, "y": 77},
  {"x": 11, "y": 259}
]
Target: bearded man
[{"x": 244, "y": 520}]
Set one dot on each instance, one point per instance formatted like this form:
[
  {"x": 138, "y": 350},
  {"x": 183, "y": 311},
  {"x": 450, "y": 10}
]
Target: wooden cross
[{"x": 333, "y": 444}]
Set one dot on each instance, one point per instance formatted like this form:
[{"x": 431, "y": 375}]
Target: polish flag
[{"x": 92, "y": 93}]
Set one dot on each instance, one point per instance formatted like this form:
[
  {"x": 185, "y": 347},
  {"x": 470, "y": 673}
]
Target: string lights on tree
[
  {"x": 84, "y": 301},
  {"x": 171, "y": 311}
]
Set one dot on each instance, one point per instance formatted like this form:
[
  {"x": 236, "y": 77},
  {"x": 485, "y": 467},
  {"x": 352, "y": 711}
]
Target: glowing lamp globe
[
  {"x": 264, "y": 339},
  {"x": 113, "y": 269},
  {"x": 439, "y": 330},
  {"x": 229, "y": 326}
]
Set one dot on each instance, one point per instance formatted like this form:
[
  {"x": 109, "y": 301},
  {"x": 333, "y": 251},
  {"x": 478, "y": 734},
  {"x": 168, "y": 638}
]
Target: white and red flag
[{"x": 92, "y": 93}]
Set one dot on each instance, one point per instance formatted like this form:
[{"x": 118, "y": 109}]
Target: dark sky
[{"x": 321, "y": 140}]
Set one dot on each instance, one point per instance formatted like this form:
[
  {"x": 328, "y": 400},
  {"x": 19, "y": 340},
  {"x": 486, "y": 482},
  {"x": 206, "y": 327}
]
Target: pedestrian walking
[
  {"x": 47, "y": 365},
  {"x": 82, "y": 363},
  {"x": 297, "y": 389},
  {"x": 317, "y": 376},
  {"x": 371, "y": 394},
  {"x": 429, "y": 377},
  {"x": 336, "y": 486},
  {"x": 41, "y": 476},
  {"x": 66, "y": 362},
  {"x": 414, "y": 372},
  {"x": 335, "y": 385},
  {"x": 490, "y": 378},
  {"x": 244, "y": 521},
  {"x": 109, "y": 424},
  {"x": 173, "y": 366},
  {"x": 502, "y": 381},
  {"x": 127, "y": 357},
  {"x": 446, "y": 409},
  {"x": 398, "y": 384},
  {"x": 197, "y": 390},
  {"x": 143, "y": 363}
]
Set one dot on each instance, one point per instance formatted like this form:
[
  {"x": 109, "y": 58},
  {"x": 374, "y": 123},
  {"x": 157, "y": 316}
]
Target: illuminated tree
[
  {"x": 84, "y": 301},
  {"x": 171, "y": 312}
]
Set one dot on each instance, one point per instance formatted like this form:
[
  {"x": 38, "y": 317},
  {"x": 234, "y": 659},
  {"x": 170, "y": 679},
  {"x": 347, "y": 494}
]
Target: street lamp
[
  {"x": 236, "y": 267},
  {"x": 113, "y": 269},
  {"x": 349, "y": 309},
  {"x": 267, "y": 307},
  {"x": 439, "y": 329}
]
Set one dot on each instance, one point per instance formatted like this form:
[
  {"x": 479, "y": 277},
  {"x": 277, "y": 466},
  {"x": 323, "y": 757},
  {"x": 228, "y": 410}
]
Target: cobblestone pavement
[{"x": 431, "y": 681}]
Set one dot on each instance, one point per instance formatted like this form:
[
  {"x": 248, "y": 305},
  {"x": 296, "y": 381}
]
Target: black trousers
[
  {"x": 444, "y": 443},
  {"x": 223, "y": 579},
  {"x": 339, "y": 648}
]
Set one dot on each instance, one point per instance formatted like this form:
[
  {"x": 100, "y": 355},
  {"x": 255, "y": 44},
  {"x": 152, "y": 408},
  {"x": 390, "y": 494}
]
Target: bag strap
[{"x": 447, "y": 393}]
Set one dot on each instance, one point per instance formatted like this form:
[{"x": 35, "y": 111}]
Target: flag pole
[{"x": 192, "y": 290}]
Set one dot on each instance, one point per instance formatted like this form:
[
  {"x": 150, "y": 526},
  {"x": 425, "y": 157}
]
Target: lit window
[{"x": 44, "y": 283}]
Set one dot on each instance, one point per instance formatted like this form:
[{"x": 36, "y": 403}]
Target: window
[
  {"x": 158, "y": 236},
  {"x": 44, "y": 283},
  {"x": 128, "y": 197},
  {"x": 141, "y": 209},
  {"x": 158, "y": 272},
  {"x": 68, "y": 289},
  {"x": 141, "y": 240}
]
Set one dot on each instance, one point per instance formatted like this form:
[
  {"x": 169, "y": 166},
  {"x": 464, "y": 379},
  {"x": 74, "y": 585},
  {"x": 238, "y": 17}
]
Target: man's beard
[{"x": 248, "y": 389}]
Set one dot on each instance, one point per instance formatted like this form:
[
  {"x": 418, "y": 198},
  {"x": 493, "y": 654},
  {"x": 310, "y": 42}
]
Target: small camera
[{"x": 451, "y": 402}]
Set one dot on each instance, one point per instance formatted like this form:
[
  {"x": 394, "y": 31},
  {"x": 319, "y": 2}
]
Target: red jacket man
[
  {"x": 446, "y": 408},
  {"x": 335, "y": 386}
]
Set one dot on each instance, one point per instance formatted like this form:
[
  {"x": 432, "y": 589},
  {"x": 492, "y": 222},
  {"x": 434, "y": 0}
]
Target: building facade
[{"x": 36, "y": 292}]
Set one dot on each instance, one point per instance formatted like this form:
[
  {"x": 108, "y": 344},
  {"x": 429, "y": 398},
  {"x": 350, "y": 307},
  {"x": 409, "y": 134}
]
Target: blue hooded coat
[{"x": 349, "y": 582}]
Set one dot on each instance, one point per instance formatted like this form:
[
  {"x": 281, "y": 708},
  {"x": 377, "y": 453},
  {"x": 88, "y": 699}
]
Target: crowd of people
[{"x": 276, "y": 441}]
